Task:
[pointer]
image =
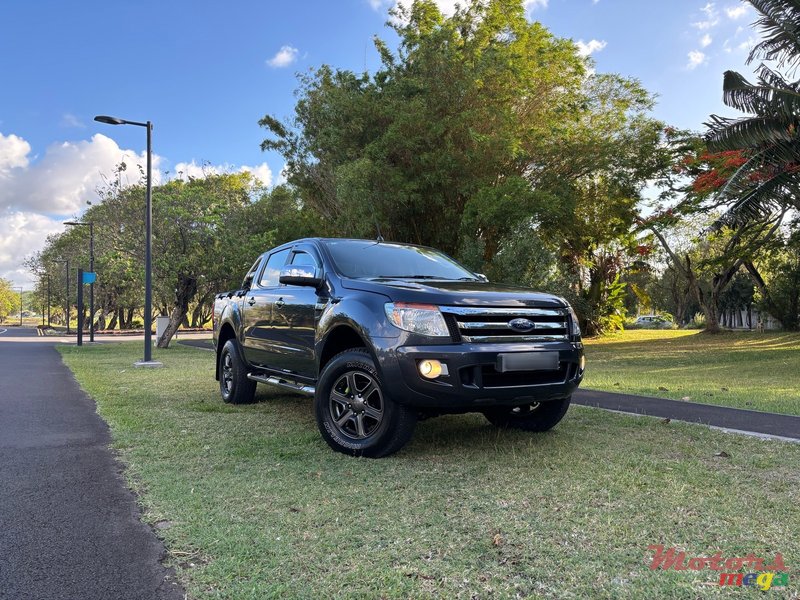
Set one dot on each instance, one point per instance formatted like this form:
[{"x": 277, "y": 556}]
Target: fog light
[
  {"x": 431, "y": 369},
  {"x": 583, "y": 363}
]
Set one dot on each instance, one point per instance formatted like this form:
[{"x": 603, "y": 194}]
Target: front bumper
[{"x": 473, "y": 381}]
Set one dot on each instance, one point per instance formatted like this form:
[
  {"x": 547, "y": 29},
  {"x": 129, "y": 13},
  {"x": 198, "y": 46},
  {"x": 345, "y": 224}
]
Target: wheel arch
[{"x": 226, "y": 333}]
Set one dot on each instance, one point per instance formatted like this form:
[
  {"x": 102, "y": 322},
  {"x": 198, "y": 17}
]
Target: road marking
[{"x": 2, "y": 331}]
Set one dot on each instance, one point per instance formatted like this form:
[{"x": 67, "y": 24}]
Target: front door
[{"x": 257, "y": 311}]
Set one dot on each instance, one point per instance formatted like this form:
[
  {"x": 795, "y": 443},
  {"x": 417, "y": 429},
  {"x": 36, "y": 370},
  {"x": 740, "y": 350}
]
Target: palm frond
[
  {"x": 747, "y": 132},
  {"x": 767, "y": 98},
  {"x": 780, "y": 26}
]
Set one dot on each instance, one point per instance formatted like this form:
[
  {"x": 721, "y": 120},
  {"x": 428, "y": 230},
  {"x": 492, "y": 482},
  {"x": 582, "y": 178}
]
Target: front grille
[{"x": 494, "y": 325}]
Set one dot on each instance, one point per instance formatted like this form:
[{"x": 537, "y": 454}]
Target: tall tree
[{"x": 769, "y": 137}]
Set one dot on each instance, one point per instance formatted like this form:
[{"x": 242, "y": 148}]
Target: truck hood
[{"x": 455, "y": 293}]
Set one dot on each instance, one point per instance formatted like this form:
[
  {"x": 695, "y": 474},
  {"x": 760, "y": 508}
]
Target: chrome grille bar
[
  {"x": 505, "y": 325},
  {"x": 504, "y": 312},
  {"x": 499, "y": 339}
]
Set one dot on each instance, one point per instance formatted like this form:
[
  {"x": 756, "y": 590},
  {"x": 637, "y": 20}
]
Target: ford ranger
[{"x": 382, "y": 334}]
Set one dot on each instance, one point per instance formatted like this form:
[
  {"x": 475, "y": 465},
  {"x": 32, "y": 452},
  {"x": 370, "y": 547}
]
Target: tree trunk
[
  {"x": 113, "y": 322},
  {"x": 186, "y": 290}
]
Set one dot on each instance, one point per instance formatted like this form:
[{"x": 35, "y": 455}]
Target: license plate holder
[{"x": 527, "y": 361}]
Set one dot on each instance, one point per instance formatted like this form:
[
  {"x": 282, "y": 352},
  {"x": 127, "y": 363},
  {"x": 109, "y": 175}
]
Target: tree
[
  {"x": 9, "y": 299},
  {"x": 769, "y": 138}
]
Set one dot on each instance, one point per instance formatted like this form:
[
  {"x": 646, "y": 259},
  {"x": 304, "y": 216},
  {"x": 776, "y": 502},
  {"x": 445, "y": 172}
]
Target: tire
[
  {"x": 234, "y": 385},
  {"x": 539, "y": 416},
  {"x": 354, "y": 412}
]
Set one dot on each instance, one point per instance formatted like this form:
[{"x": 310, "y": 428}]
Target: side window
[
  {"x": 304, "y": 259},
  {"x": 272, "y": 270},
  {"x": 251, "y": 274}
]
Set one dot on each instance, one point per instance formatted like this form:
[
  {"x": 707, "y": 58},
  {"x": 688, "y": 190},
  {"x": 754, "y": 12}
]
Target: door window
[{"x": 272, "y": 270}]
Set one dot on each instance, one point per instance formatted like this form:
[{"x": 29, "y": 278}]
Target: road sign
[{"x": 89, "y": 277}]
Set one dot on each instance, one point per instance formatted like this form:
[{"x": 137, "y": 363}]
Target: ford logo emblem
[{"x": 522, "y": 324}]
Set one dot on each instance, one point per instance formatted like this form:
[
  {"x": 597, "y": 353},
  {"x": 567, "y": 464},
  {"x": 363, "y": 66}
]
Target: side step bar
[{"x": 282, "y": 383}]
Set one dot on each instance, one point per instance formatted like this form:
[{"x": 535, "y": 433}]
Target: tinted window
[
  {"x": 248, "y": 279},
  {"x": 269, "y": 278},
  {"x": 304, "y": 259},
  {"x": 364, "y": 259}
]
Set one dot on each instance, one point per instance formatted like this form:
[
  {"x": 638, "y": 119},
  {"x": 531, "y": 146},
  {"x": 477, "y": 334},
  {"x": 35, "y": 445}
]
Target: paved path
[
  {"x": 750, "y": 421},
  {"x": 69, "y": 527}
]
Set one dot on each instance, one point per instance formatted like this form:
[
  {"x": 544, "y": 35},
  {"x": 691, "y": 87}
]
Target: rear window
[{"x": 369, "y": 259}]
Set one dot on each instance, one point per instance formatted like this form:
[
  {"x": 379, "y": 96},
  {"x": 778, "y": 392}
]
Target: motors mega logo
[{"x": 772, "y": 575}]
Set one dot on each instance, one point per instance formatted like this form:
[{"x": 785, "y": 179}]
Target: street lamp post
[
  {"x": 48, "y": 300},
  {"x": 90, "y": 224},
  {"x": 148, "y": 283},
  {"x": 20, "y": 306},
  {"x": 66, "y": 308}
]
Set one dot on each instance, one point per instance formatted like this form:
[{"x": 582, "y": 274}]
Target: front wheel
[
  {"x": 538, "y": 416},
  {"x": 354, "y": 413}
]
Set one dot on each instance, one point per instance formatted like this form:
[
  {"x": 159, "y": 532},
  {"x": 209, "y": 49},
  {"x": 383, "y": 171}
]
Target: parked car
[
  {"x": 653, "y": 322},
  {"x": 382, "y": 334}
]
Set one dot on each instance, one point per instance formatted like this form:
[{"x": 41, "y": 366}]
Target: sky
[{"x": 205, "y": 72}]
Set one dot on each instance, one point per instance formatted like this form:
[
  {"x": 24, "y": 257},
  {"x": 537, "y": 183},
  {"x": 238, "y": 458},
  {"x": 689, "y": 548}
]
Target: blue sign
[{"x": 89, "y": 277}]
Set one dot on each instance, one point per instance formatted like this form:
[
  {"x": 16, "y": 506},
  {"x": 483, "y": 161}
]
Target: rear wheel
[
  {"x": 354, "y": 413},
  {"x": 538, "y": 416},
  {"x": 234, "y": 385}
]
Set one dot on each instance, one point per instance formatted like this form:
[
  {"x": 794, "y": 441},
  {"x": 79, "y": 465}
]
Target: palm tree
[{"x": 770, "y": 136}]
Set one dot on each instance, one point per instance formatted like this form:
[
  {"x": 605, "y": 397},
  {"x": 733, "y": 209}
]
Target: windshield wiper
[{"x": 411, "y": 277}]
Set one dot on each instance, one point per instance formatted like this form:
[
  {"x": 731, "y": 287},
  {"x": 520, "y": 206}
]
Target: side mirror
[
  {"x": 301, "y": 275},
  {"x": 482, "y": 277},
  {"x": 248, "y": 281}
]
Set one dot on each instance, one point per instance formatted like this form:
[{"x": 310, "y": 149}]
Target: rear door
[{"x": 257, "y": 309}]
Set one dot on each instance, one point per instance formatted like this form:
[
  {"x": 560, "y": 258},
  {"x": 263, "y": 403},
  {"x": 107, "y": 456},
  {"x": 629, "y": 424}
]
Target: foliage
[{"x": 9, "y": 299}]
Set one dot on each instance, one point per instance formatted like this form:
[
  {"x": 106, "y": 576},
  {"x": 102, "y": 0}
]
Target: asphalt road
[{"x": 69, "y": 526}]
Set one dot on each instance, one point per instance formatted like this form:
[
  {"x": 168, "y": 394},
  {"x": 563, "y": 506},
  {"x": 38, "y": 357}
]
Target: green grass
[
  {"x": 756, "y": 371},
  {"x": 257, "y": 506}
]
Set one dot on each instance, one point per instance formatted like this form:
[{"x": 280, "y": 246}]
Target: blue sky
[{"x": 205, "y": 72}]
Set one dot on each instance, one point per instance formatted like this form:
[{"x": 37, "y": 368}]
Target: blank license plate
[{"x": 527, "y": 361}]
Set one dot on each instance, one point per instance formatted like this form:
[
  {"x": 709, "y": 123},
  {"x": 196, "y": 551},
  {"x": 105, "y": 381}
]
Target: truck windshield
[{"x": 364, "y": 259}]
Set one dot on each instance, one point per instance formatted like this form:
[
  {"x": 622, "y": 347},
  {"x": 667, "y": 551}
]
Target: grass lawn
[
  {"x": 756, "y": 371},
  {"x": 253, "y": 504}
]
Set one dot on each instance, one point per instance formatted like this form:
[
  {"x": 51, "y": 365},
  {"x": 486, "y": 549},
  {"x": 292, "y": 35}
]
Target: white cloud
[
  {"x": 711, "y": 20},
  {"x": 21, "y": 234},
  {"x": 590, "y": 47},
  {"x": 705, "y": 41},
  {"x": 284, "y": 57},
  {"x": 696, "y": 58},
  {"x": 13, "y": 154},
  {"x": 735, "y": 12},
  {"x": 67, "y": 175},
  {"x": 748, "y": 43}
]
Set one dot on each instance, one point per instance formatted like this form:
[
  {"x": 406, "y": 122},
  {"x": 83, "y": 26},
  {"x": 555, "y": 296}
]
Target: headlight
[
  {"x": 576, "y": 327},
  {"x": 424, "y": 319}
]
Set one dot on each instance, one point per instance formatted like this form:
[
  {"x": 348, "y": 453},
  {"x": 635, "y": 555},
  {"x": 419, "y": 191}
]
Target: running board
[{"x": 282, "y": 383}]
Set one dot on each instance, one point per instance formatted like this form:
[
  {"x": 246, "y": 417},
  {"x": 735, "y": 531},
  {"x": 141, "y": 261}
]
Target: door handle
[
  {"x": 252, "y": 300},
  {"x": 279, "y": 302}
]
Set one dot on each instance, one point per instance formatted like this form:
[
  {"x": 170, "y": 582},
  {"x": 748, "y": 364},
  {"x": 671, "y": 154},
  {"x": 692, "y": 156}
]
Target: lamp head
[{"x": 109, "y": 120}]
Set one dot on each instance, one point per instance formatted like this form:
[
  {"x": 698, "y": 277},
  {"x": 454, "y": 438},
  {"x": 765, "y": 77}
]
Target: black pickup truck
[{"x": 382, "y": 334}]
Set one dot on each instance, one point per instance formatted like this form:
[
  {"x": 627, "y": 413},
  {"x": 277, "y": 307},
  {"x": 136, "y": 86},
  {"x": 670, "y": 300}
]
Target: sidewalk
[{"x": 734, "y": 419}]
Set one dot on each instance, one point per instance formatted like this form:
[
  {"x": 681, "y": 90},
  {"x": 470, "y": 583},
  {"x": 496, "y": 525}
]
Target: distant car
[{"x": 653, "y": 322}]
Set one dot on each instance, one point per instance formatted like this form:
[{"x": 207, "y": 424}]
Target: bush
[
  {"x": 137, "y": 324},
  {"x": 698, "y": 321}
]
